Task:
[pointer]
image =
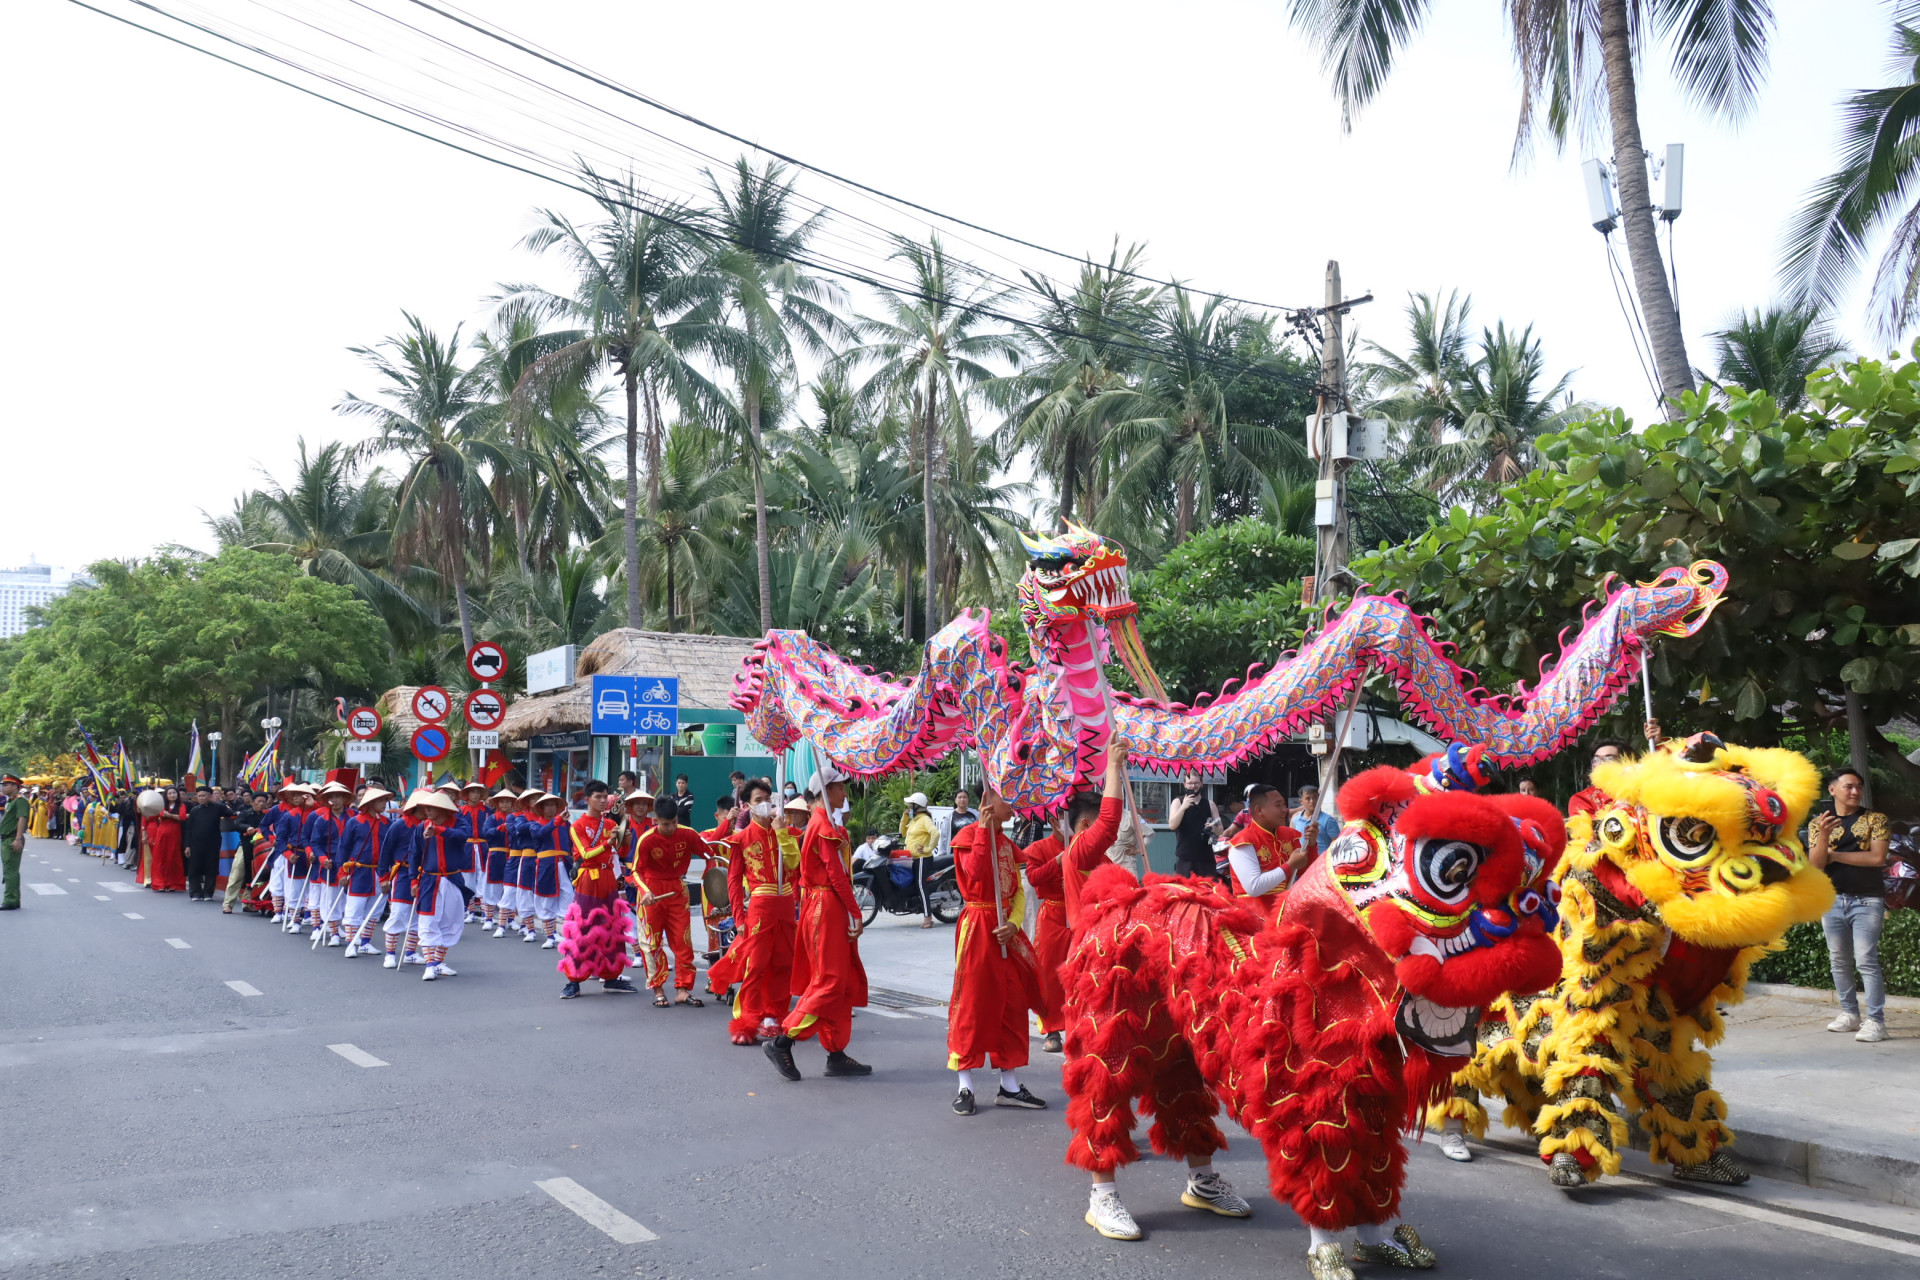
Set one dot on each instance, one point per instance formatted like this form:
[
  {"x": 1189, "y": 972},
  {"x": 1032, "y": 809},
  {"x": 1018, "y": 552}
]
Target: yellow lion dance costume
[{"x": 1692, "y": 872}]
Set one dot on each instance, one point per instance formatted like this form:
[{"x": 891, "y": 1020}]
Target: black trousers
[{"x": 203, "y": 869}]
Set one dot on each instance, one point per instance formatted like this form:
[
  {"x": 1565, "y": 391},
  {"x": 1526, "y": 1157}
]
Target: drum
[{"x": 713, "y": 881}]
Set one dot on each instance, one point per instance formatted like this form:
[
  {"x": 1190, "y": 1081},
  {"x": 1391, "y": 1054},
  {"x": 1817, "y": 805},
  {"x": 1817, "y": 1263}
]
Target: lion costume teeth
[{"x": 1668, "y": 894}]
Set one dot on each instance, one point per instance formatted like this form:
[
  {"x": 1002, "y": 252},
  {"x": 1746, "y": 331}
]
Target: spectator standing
[
  {"x": 962, "y": 816},
  {"x": 246, "y": 820},
  {"x": 1190, "y": 816},
  {"x": 1850, "y": 843},
  {"x": 1317, "y": 830},
  {"x": 923, "y": 841},
  {"x": 201, "y": 834}
]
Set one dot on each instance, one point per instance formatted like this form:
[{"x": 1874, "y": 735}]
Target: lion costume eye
[
  {"x": 1444, "y": 869},
  {"x": 1687, "y": 839}
]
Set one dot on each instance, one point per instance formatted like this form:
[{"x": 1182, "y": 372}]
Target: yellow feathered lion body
[{"x": 1692, "y": 870}]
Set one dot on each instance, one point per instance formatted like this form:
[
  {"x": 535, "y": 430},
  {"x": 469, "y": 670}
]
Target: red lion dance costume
[{"x": 1328, "y": 1030}]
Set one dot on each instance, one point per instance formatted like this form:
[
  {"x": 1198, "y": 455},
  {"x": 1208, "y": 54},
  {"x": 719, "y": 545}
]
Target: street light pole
[{"x": 214, "y": 740}]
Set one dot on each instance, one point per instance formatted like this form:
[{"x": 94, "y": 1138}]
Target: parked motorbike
[{"x": 881, "y": 884}]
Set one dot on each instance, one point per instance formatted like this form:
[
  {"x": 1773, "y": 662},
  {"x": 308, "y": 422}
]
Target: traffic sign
[
  {"x": 483, "y": 739},
  {"x": 486, "y": 661},
  {"x": 363, "y": 753},
  {"x": 485, "y": 709},
  {"x": 363, "y": 723},
  {"x": 431, "y": 742},
  {"x": 431, "y": 703},
  {"x": 644, "y": 705}
]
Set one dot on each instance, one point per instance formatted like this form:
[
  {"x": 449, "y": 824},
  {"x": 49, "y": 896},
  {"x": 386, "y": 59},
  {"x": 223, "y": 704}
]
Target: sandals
[
  {"x": 691, "y": 1001},
  {"x": 660, "y": 1000}
]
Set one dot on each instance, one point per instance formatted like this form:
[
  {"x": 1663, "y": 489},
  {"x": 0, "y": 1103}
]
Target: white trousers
[
  {"x": 277, "y": 878},
  {"x": 493, "y": 894},
  {"x": 357, "y": 911},
  {"x": 442, "y": 928},
  {"x": 399, "y": 917},
  {"x": 333, "y": 902}
]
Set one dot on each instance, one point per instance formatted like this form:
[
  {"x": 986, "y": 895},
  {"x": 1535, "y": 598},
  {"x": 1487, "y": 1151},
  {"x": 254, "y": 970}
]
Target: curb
[{"x": 1821, "y": 995}]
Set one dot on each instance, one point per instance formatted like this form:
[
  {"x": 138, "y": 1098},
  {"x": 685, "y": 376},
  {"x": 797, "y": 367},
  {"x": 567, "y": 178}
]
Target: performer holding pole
[
  {"x": 593, "y": 938},
  {"x": 828, "y": 977}
]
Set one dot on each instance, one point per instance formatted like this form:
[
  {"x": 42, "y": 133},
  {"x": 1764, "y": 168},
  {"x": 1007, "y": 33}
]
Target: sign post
[
  {"x": 636, "y": 707},
  {"x": 364, "y": 723},
  {"x": 431, "y": 703}
]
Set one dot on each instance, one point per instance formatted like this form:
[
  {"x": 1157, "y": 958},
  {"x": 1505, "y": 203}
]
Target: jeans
[{"x": 1853, "y": 941}]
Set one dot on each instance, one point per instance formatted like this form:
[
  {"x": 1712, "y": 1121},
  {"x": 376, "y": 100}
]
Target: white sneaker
[
  {"x": 529, "y": 936},
  {"x": 391, "y": 962},
  {"x": 1872, "y": 1031},
  {"x": 352, "y": 950},
  {"x": 1453, "y": 1145},
  {"x": 550, "y": 943},
  {"x": 1215, "y": 1194},
  {"x": 413, "y": 957},
  {"x": 1109, "y": 1217},
  {"x": 500, "y": 932},
  {"x": 278, "y": 918},
  {"x": 1845, "y": 1022},
  {"x": 446, "y": 970},
  {"x": 335, "y": 940},
  {"x": 315, "y": 936},
  {"x": 433, "y": 971}
]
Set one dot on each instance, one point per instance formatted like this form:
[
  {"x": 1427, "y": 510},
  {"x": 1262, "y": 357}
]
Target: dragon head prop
[
  {"x": 1706, "y": 833},
  {"x": 1455, "y": 889},
  {"x": 1079, "y": 578}
]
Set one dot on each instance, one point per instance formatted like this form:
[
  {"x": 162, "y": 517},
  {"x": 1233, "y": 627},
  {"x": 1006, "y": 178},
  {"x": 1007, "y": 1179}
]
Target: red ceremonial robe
[
  {"x": 760, "y": 961},
  {"x": 991, "y": 992},
  {"x": 1051, "y": 936},
  {"x": 827, "y": 974},
  {"x": 160, "y": 849}
]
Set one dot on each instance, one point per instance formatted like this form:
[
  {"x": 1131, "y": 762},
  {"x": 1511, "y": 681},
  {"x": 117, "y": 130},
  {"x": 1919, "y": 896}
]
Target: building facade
[{"x": 32, "y": 586}]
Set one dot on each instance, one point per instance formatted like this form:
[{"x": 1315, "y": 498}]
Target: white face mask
[{"x": 763, "y": 809}]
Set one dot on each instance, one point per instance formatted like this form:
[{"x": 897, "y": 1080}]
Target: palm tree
[
  {"x": 546, "y": 608},
  {"x": 1504, "y": 410},
  {"x": 1080, "y": 345},
  {"x": 682, "y": 539},
  {"x": 336, "y": 529},
  {"x": 931, "y": 352},
  {"x": 775, "y": 305},
  {"x": 1872, "y": 191},
  {"x": 433, "y": 414},
  {"x": 636, "y": 279},
  {"x": 1773, "y": 350},
  {"x": 1718, "y": 50},
  {"x": 1170, "y": 432},
  {"x": 1420, "y": 390}
]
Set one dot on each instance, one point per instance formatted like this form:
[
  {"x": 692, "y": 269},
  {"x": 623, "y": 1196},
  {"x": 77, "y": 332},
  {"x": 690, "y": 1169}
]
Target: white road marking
[
  {"x": 133, "y": 915},
  {"x": 595, "y": 1211},
  {"x": 73, "y": 879},
  {"x": 244, "y": 988},
  {"x": 877, "y": 1011},
  {"x": 1739, "y": 1208},
  {"x": 103, "y": 897},
  {"x": 119, "y": 886},
  {"x": 47, "y": 890},
  {"x": 179, "y": 944},
  {"x": 356, "y": 1055}
]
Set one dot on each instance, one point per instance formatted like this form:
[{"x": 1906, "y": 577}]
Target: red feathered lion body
[{"x": 1327, "y": 1030}]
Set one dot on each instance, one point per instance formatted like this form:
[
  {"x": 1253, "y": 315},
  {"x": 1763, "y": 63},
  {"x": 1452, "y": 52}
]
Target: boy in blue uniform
[
  {"x": 442, "y": 858},
  {"x": 360, "y": 869}
]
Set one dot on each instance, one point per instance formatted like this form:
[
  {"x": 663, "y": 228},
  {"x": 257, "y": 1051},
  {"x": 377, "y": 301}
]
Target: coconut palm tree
[
  {"x": 1420, "y": 390},
  {"x": 633, "y": 311},
  {"x": 774, "y": 307},
  {"x": 936, "y": 345},
  {"x": 1081, "y": 345},
  {"x": 1873, "y": 191},
  {"x": 1504, "y": 410},
  {"x": 683, "y": 538},
  {"x": 1578, "y": 59},
  {"x": 433, "y": 413},
  {"x": 1169, "y": 433},
  {"x": 1773, "y": 350}
]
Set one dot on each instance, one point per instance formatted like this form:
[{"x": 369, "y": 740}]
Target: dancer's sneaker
[
  {"x": 391, "y": 962},
  {"x": 1052, "y": 1043},
  {"x": 447, "y": 970},
  {"x": 570, "y": 991},
  {"x": 1023, "y": 1098},
  {"x": 550, "y": 943},
  {"x": 618, "y": 984},
  {"x": 1215, "y": 1194},
  {"x": 781, "y": 1056},
  {"x": 963, "y": 1103},
  {"x": 1453, "y": 1145},
  {"x": 1106, "y": 1214},
  {"x": 500, "y": 931},
  {"x": 1327, "y": 1262},
  {"x": 433, "y": 971},
  {"x": 839, "y": 1064}
]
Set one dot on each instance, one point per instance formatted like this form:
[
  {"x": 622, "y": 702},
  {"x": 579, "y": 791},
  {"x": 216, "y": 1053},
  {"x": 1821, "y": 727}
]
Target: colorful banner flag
[{"x": 193, "y": 753}]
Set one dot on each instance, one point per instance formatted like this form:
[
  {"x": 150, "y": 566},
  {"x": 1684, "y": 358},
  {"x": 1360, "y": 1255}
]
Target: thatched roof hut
[{"x": 704, "y": 664}]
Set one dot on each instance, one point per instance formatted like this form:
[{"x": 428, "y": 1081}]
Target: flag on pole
[
  {"x": 124, "y": 763},
  {"x": 193, "y": 753}
]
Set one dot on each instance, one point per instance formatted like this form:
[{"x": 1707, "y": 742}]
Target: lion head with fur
[{"x": 1707, "y": 834}]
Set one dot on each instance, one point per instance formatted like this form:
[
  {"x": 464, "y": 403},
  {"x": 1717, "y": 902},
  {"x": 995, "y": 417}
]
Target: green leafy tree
[
  {"x": 1227, "y": 597},
  {"x": 161, "y": 641},
  {"x": 1774, "y": 350},
  {"x": 1812, "y": 513}
]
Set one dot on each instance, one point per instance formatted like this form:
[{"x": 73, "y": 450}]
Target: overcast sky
[{"x": 190, "y": 251}]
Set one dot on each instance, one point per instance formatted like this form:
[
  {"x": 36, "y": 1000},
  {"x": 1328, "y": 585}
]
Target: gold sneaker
[{"x": 1325, "y": 1262}]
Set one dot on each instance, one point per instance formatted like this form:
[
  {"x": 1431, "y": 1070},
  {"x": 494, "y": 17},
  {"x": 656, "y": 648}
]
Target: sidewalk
[{"x": 1809, "y": 1106}]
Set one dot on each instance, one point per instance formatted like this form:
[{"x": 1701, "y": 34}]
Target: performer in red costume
[
  {"x": 166, "y": 867},
  {"x": 1050, "y": 933},
  {"x": 827, "y": 974},
  {"x": 714, "y": 909},
  {"x": 1266, "y": 854},
  {"x": 996, "y": 977},
  {"x": 593, "y": 938},
  {"x": 660, "y": 859},
  {"x": 1095, "y": 828},
  {"x": 760, "y": 890}
]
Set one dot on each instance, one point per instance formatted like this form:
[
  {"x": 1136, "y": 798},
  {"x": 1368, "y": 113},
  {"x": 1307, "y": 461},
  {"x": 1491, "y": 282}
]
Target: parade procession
[{"x": 826, "y": 641}]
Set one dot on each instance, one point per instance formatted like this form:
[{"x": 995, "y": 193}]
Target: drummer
[
  {"x": 660, "y": 859},
  {"x": 713, "y": 888}
]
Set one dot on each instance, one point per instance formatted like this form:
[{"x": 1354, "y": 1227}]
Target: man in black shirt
[
  {"x": 1189, "y": 817},
  {"x": 1851, "y": 844},
  {"x": 202, "y": 838}
]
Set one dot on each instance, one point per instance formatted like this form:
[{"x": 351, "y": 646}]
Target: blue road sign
[{"x": 642, "y": 705}]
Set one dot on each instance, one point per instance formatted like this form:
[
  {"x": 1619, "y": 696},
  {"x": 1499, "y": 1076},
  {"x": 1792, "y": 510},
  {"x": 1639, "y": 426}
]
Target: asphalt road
[{"x": 159, "y": 1123}]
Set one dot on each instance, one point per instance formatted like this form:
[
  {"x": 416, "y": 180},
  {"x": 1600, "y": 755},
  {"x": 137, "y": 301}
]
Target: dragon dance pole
[{"x": 1646, "y": 692}]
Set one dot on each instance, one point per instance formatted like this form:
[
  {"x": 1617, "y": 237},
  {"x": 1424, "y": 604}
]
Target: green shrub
[{"x": 1804, "y": 962}]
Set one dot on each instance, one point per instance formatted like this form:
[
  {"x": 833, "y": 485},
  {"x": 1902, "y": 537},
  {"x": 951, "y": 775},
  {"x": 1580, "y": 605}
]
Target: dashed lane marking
[
  {"x": 119, "y": 886},
  {"x": 46, "y": 890},
  {"x": 133, "y": 915},
  {"x": 877, "y": 1011},
  {"x": 244, "y": 988},
  {"x": 356, "y": 1055},
  {"x": 179, "y": 944},
  {"x": 595, "y": 1211},
  {"x": 73, "y": 879},
  {"x": 103, "y": 897}
]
